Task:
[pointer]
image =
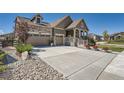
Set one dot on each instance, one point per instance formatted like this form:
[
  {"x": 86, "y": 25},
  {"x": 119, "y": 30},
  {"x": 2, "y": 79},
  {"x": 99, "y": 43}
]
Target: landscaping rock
[
  {"x": 33, "y": 69},
  {"x": 24, "y": 55}
]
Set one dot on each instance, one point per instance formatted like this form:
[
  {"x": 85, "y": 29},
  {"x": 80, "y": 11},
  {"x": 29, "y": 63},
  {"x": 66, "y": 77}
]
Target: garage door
[
  {"x": 39, "y": 40},
  {"x": 59, "y": 40},
  {"x": 45, "y": 40}
]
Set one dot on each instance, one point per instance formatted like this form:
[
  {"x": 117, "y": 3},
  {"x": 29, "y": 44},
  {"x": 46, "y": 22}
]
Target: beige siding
[
  {"x": 59, "y": 31},
  {"x": 41, "y": 30}
]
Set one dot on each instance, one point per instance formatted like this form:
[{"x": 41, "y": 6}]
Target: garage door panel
[
  {"x": 39, "y": 40},
  {"x": 59, "y": 40}
]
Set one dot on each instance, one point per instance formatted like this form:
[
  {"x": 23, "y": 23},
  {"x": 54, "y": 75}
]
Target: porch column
[
  {"x": 54, "y": 38},
  {"x": 74, "y": 33},
  {"x": 79, "y": 33},
  {"x": 86, "y": 38},
  {"x": 83, "y": 34},
  {"x": 74, "y": 37},
  {"x": 63, "y": 40}
]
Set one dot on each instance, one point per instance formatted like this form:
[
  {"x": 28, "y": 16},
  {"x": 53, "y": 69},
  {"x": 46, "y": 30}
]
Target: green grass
[
  {"x": 3, "y": 68},
  {"x": 115, "y": 42},
  {"x": 113, "y": 48},
  {"x": 118, "y": 41}
]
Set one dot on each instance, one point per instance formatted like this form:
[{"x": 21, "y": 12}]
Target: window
[{"x": 38, "y": 20}]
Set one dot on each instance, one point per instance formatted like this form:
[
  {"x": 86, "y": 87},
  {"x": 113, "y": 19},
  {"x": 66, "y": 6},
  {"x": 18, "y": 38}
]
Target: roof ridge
[
  {"x": 24, "y": 17},
  {"x": 75, "y": 23},
  {"x": 59, "y": 20}
]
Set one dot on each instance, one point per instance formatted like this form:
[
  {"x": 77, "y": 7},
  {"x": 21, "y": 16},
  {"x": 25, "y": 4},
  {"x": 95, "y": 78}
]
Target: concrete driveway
[{"x": 76, "y": 63}]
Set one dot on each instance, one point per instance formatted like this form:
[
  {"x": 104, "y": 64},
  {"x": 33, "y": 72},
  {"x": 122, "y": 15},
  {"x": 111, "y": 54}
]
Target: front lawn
[
  {"x": 118, "y": 41},
  {"x": 113, "y": 48},
  {"x": 114, "y": 42}
]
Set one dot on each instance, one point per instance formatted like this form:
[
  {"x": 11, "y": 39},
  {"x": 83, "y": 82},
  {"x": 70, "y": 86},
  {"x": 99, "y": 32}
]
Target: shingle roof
[
  {"x": 37, "y": 15},
  {"x": 74, "y": 24},
  {"x": 62, "y": 22},
  {"x": 23, "y": 19},
  {"x": 122, "y": 33}
]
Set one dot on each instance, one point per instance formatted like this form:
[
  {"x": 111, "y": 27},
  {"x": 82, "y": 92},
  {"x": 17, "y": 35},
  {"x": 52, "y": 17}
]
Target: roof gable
[
  {"x": 62, "y": 23},
  {"x": 23, "y": 19},
  {"x": 119, "y": 33},
  {"x": 82, "y": 25},
  {"x": 73, "y": 24},
  {"x": 78, "y": 24}
]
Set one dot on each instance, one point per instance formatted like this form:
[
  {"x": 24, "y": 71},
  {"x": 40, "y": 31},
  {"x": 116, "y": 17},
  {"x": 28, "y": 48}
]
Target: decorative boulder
[{"x": 24, "y": 55}]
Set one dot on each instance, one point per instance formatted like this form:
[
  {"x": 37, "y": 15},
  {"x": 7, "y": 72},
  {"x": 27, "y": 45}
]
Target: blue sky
[{"x": 96, "y": 22}]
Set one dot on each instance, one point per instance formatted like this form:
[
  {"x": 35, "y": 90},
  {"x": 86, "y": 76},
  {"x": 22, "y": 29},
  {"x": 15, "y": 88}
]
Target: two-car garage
[
  {"x": 39, "y": 40},
  {"x": 44, "y": 40}
]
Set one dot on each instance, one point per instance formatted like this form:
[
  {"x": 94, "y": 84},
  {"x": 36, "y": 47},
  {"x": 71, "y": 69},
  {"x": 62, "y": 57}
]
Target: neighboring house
[
  {"x": 117, "y": 36},
  {"x": 8, "y": 36},
  {"x": 95, "y": 37},
  {"x": 64, "y": 31},
  {"x": 6, "y": 39}
]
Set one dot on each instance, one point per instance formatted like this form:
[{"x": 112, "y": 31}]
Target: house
[
  {"x": 117, "y": 36},
  {"x": 9, "y": 36},
  {"x": 96, "y": 37},
  {"x": 63, "y": 31},
  {"x": 6, "y": 39}
]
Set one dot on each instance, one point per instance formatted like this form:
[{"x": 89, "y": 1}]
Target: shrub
[
  {"x": 20, "y": 48},
  {"x": 95, "y": 47},
  {"x": 2, "y": 55},
  {"x": 23, "y": 47},
  {"x": 28, "y": 47},
  {"x": 87, "y": 46},
  {"x": 91, "y": 42},
  {"x": 3, "y": 68}
]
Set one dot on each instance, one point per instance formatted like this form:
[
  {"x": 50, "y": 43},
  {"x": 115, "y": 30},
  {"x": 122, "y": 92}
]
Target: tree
[
  {"x": 105, "y": 35},
  {"x": 22, "y": 31}
]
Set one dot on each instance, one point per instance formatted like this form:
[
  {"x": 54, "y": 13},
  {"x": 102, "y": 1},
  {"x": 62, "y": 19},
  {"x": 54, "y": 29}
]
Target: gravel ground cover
[{"x": 33, "y": 69}]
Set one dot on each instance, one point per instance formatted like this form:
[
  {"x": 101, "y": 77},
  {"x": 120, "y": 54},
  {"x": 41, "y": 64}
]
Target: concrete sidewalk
[{"x": 114, "y": 71}]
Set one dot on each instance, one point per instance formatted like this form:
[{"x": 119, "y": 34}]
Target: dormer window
[{"x": 38, "y": 20}]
